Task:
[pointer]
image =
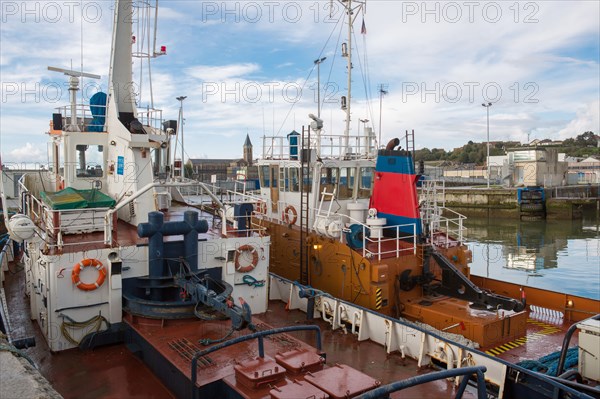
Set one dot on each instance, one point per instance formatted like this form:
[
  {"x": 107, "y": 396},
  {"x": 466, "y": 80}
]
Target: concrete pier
[
  {"x": 19, "y": 379},
  {"x": 561, "y": 202}
]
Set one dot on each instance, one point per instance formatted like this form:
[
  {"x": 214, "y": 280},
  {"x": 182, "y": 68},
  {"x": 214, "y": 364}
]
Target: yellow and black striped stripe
[
  {"x": 378, "y": 298},
  {"x": 547, "y": 329}
]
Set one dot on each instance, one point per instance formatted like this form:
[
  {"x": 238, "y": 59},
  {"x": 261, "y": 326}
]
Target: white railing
[
  {"x": 58, "y": 223},
  {"x": 73, "y": 221},
  {"x": 452, "y": 228},
  {"x": 84, "y": 118},
  {"x": 399, "y": 236},
  {"x": 331, "y": 146},
  {"x": 151, "y": 117},
  {"x": 446, "y": 227}
]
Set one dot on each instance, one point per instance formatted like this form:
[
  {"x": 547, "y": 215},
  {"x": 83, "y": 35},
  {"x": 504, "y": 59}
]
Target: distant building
[
  {"x": 218, "y": 170},
  {"x": 545, "y": 142},
  {"x": 534, "y": 166},
  {"x": 586, "y": 171}
]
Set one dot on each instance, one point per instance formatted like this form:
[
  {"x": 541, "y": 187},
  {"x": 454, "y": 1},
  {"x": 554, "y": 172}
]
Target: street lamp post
[
  {"x": 318, "y": 64},
  {"x": 364, "y": 122},
  {"x": 487, "y": 108},
  {"x": 180, "y": 99}
]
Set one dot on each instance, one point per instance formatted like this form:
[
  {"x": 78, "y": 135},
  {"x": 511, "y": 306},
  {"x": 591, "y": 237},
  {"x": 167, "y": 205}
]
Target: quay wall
[{"x": 502, "y": 202}]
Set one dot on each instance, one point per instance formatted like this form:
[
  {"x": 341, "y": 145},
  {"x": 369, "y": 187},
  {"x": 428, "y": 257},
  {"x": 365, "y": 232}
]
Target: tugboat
[
  {"x": 113, "y": 256},
  {"x": 345, "y": 217}
]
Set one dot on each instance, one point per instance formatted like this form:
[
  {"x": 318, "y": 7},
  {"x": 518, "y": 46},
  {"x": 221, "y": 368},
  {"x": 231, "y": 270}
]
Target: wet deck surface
[
  {"x": 365, "y": 356},
  {"x": 108, "y": 372},
  {"x": 114, "y": 372},
  {"x": 544, "y": 335}
]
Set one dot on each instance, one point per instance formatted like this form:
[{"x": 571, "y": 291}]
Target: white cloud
[
  {"x": 558, "y": 54},
  {"x": 220, "y": 73},
  {"x": 29, "y": 153},
  {"x": 587, "y": 119}
]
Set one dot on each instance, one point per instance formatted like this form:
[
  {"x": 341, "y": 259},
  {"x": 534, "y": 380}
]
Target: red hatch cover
[
  {"x": 341, "y": 381},
  {"x": 300, "y": 361},
  {"x": 299, "y": 390},
  {"x": 257, "y": 372}
]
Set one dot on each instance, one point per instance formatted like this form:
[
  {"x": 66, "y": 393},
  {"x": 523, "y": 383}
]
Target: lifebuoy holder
[
  {"x": 290, "y": 215},
  {"x": 95, "y": 263},
  {"x": 252, "y": 265}
]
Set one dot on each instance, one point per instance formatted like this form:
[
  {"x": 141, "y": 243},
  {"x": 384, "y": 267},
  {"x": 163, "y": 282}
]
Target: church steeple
[{"x": 248, "y": 150}]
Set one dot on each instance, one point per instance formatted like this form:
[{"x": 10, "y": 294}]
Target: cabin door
[{"x": 274, "y": 179}]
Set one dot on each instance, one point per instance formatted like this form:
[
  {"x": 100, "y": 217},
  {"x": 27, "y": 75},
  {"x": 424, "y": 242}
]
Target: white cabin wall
[{"x": 216, "y": 253}]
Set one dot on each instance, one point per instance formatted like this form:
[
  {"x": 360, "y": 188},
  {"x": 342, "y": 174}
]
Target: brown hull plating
[{"x": 345, "y": 273}]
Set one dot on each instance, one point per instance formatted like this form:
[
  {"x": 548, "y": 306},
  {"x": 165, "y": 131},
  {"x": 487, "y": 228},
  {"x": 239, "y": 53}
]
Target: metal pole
[
  {"x": 318, "y": 62},
  {"x": 319, "y": 89},
  {"x": 182, "y": 171},
  {"x": 487, "y": 108},
  {"x": 488, "y": 146}
]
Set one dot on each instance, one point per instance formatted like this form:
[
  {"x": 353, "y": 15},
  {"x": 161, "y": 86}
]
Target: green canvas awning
[{"x": 70, "y": 198}]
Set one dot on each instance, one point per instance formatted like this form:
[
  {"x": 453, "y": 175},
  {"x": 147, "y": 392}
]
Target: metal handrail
[
  {"x": 396, "y": 239},
  {"x": 278, "y": 147},
  {"x": 385, "y": 390},
  {"x": 542, "y": 377},
  {"x": 261, "y": 351}
]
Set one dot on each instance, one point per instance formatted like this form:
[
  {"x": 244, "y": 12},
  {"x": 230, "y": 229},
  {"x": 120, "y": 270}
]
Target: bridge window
[
  {"x": 346, "y": 183},
  {"x": 294, "y": 180},
  {"x": 90, "y": 160},
  {"x": 329, "y": 180},
  {"x": 365, "y": 183},
  {"x": 263, "y": 175}
]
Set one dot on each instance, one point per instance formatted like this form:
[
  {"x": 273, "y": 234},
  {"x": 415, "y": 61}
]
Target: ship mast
[
  {"x": 349, "y": 67},
  {"x": 347, "y": 52}
]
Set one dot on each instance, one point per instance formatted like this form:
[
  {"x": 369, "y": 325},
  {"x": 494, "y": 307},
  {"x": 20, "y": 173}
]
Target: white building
[{"x": 586, "y": 171}]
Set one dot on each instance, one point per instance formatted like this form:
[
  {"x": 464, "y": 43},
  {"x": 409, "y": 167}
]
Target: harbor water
[{"x": 559, "y": 255}]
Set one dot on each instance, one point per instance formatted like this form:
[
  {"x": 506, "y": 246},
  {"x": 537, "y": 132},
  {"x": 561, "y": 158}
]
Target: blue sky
[{"x": 241, "y": 65}]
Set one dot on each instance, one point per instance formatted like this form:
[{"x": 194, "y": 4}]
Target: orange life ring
[
  {"x": 261, "y": 207},
  {"x": 88, "y": 263},
  {"x": 286, "y": 215},
  {"x": 251, "y": 266}
]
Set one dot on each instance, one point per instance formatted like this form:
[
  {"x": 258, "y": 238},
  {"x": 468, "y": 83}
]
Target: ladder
[{"x": 304, "y": 203}]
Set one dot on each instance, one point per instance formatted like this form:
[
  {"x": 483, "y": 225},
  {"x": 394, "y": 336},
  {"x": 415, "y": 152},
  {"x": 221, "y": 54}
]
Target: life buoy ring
[
  {"x": 252, "y": 265},
  {"x": 286, "y": 215},
  {"x": 88, "y": 263},
  {"x": 261, "y": 207}
]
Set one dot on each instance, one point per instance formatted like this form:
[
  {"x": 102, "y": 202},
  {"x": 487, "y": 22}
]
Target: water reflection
[{"x": 561, "y": 255}]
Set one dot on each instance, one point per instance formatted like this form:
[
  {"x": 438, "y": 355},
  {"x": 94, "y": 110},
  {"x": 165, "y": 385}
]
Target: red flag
[{"x": 363, "y": 30}]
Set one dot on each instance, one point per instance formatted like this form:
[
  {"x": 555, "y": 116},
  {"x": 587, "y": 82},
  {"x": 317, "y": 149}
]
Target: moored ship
[{"x": 114, "y": 254}]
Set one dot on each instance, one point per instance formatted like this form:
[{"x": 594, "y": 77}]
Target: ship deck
[
  {"x": 126, "y": 234},
  {"x": 83, "y": 374}
]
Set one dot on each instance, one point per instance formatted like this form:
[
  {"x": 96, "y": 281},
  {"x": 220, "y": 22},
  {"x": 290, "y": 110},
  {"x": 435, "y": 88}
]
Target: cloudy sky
[{"x": 247, "y": 67}]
